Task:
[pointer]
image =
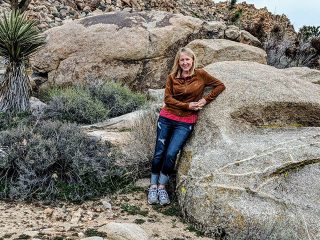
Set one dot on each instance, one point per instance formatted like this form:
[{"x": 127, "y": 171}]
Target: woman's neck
[{"x": 185, "y": 74}]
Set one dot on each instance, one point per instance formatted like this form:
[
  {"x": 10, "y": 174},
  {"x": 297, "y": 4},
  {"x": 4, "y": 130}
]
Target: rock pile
[{"x": 52, "y": 13}]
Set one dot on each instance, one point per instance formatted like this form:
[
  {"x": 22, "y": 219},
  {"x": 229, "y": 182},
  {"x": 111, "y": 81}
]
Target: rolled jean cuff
[
  {"x": 163, "y": 179},
  {"x": 154, "y": 179}
]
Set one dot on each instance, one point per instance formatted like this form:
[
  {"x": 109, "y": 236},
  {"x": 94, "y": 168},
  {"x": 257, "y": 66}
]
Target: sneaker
[
  {"x": 152, "y": 196},
  {"x": 163, "y": 196}
]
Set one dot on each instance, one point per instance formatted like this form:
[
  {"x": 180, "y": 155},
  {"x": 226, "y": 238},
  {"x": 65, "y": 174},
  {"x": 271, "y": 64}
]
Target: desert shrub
[
  {"x": 144, "y": 133},
  {"x": 306, "y": 32},
  {"x": 257, "y": 29},
  {"x": 302, "y": 50},
  {"x": 315, "y": 43},
  {"x": 75, "y": 104},
  {"x": 236, "y": 16},
  {"x": 8, "y": 120},
  {"x": 54, "y": 160},
  {"x": 288, "y": 52},
  {"x": 92, "y": 103},
  {"x": 118, "y": 99}
]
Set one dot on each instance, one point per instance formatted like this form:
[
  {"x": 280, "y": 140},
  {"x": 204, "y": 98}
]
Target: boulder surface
[
  {"x": 133, "y": 48},
  {"x": 217, "y": 50},
  {"x": 251, "y": 168}
]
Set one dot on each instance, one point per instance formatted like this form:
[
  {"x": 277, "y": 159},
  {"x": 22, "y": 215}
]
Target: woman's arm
[
  {"x": 168, "y": 97},
  {"x": 217, "y": 86}
]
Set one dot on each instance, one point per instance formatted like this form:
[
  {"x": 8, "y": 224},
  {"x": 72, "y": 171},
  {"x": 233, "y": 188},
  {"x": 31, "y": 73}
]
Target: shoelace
[
  {"x": 163, "y": 194},
  {"x": 153, "y": 192}
]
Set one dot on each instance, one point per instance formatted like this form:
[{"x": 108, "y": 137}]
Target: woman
[{"x": 183, "y": 99}]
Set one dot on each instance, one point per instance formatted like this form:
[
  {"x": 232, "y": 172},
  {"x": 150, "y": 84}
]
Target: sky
[{"x": 300, "y": 12}]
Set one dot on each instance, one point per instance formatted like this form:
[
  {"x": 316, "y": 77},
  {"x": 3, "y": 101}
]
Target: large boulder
[
  {"x": 134, "y": 48},
  {"x": 251, "y": 168},
  {"x": 217, "y": 50}
]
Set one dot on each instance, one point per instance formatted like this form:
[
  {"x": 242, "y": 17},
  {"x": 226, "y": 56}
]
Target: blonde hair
[{"x": 176, "y": 69}]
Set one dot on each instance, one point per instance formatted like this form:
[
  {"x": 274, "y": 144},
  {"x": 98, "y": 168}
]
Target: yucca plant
[
  {"x": 21, "y": 5},
  {"x": 232, "y": 3},
  {"x": 19, "y": 38}
]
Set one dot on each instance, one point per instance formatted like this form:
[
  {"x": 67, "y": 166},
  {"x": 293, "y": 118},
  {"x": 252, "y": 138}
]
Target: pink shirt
[{"x": 187, "y": 119}]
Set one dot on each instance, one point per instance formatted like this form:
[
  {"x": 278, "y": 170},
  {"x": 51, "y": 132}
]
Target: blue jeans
[{"x": 171, "y": 137}]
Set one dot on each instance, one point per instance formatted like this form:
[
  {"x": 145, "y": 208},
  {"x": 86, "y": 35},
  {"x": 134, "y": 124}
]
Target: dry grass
[{"x": 144, "y": 134}]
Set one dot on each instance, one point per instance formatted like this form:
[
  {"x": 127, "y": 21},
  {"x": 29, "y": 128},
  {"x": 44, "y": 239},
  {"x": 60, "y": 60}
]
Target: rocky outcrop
[
  {"x": 235, "y": 34},
  {"x": 133, "y": 48},
  {"x": 217, "y": 50},
  {"x": 258, "y": 22},
  {"x": 251, "y": 168},
  {"x": 52, "y": 13}
]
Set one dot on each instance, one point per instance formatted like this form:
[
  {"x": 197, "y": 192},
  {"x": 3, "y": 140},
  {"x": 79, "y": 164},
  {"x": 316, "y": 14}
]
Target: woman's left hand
[{"x": 201, "y": 103}]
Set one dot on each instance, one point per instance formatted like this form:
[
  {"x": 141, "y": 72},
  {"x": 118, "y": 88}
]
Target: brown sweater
[{"x": 179, "y": 92}]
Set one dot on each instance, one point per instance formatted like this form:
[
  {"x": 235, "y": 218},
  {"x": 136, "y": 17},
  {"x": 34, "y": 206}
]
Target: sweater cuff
[
  {"x": 208, "y": 100},
  {"x": 186, "y": 106}
]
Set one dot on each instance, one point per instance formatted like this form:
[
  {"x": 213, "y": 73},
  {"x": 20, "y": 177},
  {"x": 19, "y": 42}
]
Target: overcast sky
[{"x": 300, "y": 12}]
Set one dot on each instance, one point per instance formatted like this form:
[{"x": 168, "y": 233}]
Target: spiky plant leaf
[{"x": 19, "y": 37}]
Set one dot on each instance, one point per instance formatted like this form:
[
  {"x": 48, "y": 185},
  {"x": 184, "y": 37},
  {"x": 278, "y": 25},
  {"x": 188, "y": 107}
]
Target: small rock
[
  {"x": 106, "y": 204},
  {"x": 60, "y": 214},
  {"x": 102, "y": 6},
  {"x": 58, "y": 20},
  {"x": 48, "y": 212},
  {"x": 76, "y": 216},
  {"x": 37, "y": 108},
  {"x": 43, "y": 26},
  {"x": 31, "y": 233},
  {"x": 215, "y": 28},
  {"x": 63, "y": 13},
  {"x": 248, "y": 38},
  {"x": 127, "y": 9},
  {"x": 87, "y": 9},
  {"x": 49, "y": 20},
  {"x": 128, "y": 231},
  {"x": 233, "y": 33},
  {"x": 93, "y": 238}
]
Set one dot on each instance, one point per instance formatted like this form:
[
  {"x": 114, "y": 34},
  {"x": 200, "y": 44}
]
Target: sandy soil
[{"x": 71, "y": 221}]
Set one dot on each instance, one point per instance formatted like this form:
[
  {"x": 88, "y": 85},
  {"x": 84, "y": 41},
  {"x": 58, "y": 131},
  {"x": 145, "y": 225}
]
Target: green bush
[
  {"x": 8, "y": 120},
  {"x": 75, "y": 104},
  {"x": 54, "y": 160},
  {"x": 307, "y": 32},
  {"x": 91, "y": 104},
  {"x": 118, "y": 99},
  {"x": 232, "y": 4},
  {"x": 235, "y": 18}
]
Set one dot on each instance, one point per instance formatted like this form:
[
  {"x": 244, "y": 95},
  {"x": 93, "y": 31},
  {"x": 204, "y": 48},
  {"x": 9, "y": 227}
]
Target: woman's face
[{"x": 185, "y": 62}]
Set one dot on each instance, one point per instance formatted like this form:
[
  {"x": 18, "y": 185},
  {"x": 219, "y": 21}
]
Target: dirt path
[{"x": 70, "y": 221}]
